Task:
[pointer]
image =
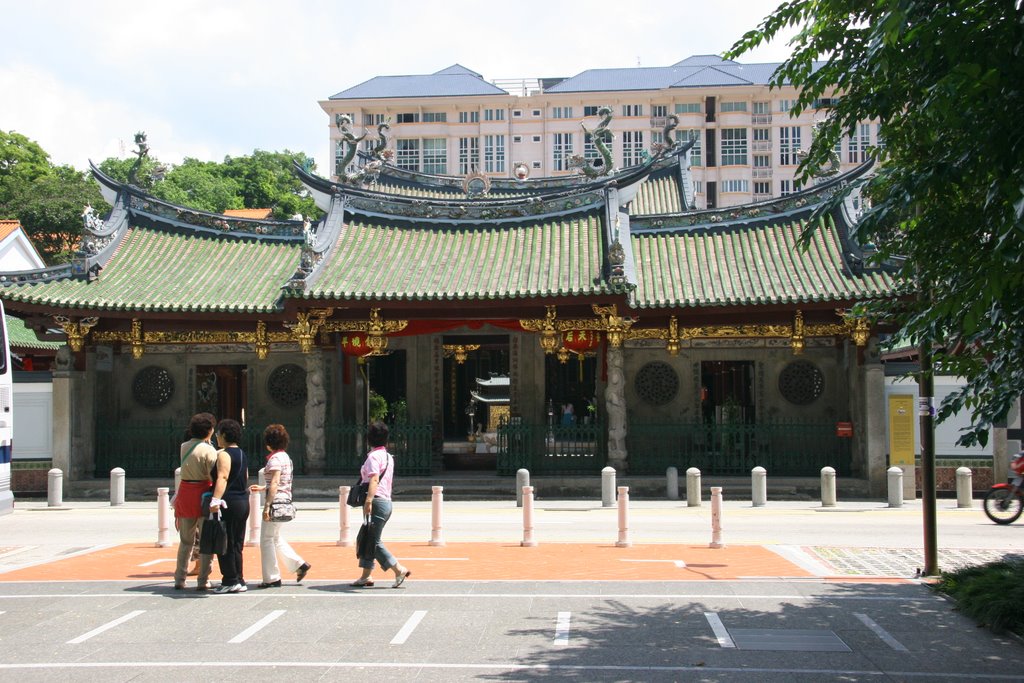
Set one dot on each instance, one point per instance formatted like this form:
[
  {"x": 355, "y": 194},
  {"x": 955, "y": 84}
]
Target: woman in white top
[{"x": 278, "y": 472}]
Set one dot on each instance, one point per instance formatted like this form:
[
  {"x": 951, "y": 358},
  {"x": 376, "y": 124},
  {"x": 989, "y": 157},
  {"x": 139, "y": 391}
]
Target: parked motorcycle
[{"x": 1004, "y": 502}]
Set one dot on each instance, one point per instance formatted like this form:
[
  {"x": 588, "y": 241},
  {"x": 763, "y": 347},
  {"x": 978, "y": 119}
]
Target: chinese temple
[{"x": 710, "y": 338}]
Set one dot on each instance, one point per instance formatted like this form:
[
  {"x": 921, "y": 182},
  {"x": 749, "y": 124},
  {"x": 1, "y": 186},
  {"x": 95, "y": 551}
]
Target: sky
[{"x": 212, "y": 78}]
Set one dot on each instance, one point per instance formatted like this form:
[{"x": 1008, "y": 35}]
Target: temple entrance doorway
[
  {"x": 222, "y": 391},
  {"x": 475, "y": 398}
]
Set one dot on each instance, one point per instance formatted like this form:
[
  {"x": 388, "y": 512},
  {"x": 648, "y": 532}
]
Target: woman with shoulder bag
[
  {"x": 231, "y": 501},
  {"x": 278, "y": 472},
  {"x": 378, "y": 471}
]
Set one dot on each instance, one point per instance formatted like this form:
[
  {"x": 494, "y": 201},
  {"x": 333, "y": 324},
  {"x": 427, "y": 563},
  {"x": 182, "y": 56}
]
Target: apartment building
[{"x": 453, "y": 122}]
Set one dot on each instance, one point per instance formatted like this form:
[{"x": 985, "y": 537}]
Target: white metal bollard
[
  {"x": 693, "y": 487},
  {"x": 163, "y": 515},
  {"x": 528, "y": 541},
  {"x": 343, "y": 516},
  {"x": 255, "y": 518},
  {"x": 117, "y": 486},
  {"x": 716, "y": 518},
  {"x": 54, "y": 488},
  {"x": 828, "y": 487},
  {"x": 895, "y": 481},
  {"x": 963, "y": 487},
  {"x": 758, "y": 486},
  {"x": 436, "y": 515},
  {"x": 608, "y": 487},
  {"x": 522, "y": 479},
  {"x": 672, "y": 483},
  {"x": 623, "y": 541}
]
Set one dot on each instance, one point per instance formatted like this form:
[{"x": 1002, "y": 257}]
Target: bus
[{"x": 6, "y": 417}]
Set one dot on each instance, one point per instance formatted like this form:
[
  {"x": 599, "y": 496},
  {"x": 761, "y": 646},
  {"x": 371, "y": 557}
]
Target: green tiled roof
[
  {"x": 759, "y": 265},
  {"x": 657, "y": 196},
  {"x": 377, "y": 261},
  {"x": 22, "y": 337},
  {"x": 165, "y": 271},
  {"x": 436, "y": 192}
]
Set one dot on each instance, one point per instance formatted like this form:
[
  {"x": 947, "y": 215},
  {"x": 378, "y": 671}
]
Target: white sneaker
[{"x": 234, "y": 588}]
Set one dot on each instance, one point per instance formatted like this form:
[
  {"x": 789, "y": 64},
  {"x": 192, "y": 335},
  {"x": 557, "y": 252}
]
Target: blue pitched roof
[
  {"x": 454, "y": 80},
  {"x": 695, "y": 71}
]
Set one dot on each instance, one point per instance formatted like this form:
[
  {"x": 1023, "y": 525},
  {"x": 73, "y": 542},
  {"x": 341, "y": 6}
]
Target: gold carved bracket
[
  {"x": 76, "y": 330},
  {"x": 551, "y": 326},
  {"x": 307, "y": 326},
  {"x": 376, "y": 328}
]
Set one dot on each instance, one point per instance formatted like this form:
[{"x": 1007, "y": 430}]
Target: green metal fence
[
  {"x": 410, "y": 444},
  {"x": 782, "y": 448},
  {"x": 557, "y": 449}
]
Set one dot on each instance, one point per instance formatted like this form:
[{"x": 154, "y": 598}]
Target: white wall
[
  {"x": 33, "y": 420},
  {"x": 947, "y": 432}
]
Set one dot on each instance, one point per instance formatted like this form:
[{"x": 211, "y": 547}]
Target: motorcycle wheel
[{"x": 1003, "y": 506}]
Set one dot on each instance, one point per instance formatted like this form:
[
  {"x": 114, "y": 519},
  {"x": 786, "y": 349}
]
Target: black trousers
[{"x": 235, "y": 517}]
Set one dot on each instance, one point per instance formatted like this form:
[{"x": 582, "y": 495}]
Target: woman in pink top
[
  {"x": 278, "y": 472},
  {"x": 379, "y": 471}
]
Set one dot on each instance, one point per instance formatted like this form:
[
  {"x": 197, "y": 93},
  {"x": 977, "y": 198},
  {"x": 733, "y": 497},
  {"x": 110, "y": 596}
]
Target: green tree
[
  {"x": 200, "y": 185},
  {"x": 147, "y": 176},
  {"x": 267, "y": 180},
  {"x": 21, "y": 159},
  {"x": 947, "y": 201}
]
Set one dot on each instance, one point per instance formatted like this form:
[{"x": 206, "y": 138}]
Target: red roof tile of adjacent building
[
  {"x": 7, "y": 227},
  {"x": 259, "y": 214}
]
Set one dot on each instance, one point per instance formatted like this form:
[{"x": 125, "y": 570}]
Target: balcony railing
[
  {"x": 760, "y": 119},
  {"x": 761, "y": 145},
  {"x": 659, "y": 121},
  {"x": 761, "y": 173}
]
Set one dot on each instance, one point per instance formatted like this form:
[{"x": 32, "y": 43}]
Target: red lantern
[
  {"x": 581, "y": 341},
  {"x": 354, "y": 344}
]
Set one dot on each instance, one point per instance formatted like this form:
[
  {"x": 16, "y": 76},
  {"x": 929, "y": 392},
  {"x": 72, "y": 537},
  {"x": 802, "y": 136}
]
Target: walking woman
[
  {"x": 231, "y": 496},
  {"x": 379, "y": 471},
  {"x": 278, "y": 472}
]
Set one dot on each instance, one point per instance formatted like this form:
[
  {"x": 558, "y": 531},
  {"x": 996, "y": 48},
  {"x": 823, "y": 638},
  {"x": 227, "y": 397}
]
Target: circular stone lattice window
[
  {"x": 153, "y": 386},
  {"x": 801, "y": 382},
  {"x": 656, "y": 383},
  {"x": 287, "y": 385}
]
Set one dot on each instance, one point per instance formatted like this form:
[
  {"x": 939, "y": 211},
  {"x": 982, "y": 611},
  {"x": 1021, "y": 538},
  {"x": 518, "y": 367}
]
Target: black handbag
[
  {"x": 357, "y": 494},
  {"x": 365, "y": 544},
  {"x": 213, "y": 540}
]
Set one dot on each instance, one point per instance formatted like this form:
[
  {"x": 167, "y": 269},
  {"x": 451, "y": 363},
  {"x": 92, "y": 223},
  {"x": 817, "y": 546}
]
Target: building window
[
  {"x": 785, "y": 187},
  {"x": 373, "y": 119},
  {"x": 762, "y": 108},
  {"x": 659, "y": 111},
  {"x": 469, "y": 155},
  {"x": 494, "y": 153},
  {"x": 688, "y": 108},
  {"x": 516, "y": 113},
  {"x": 826, "y": 102},
  {"x": 657, "y": 138},
  {"x": 734, "y": 147},
  {"x": 536, "y": 112},
  {"x": 494, "y": 114},
  {"x": 435, "y": 117},
  {"x": 339, "y": 154},
  {"x": 590, "y": 152},
  {"x": 786, "y": 106},
  {"x": 535, "y": 138},
  {"x": 733, "y": 106},
  {"x": 435, "y": 155},
  {"x": 735, "y": 186},
  {"x": 407, "y": 154},
  {"x": 698, "y": 187},
  {"x": 407, "y": 118},
  {"x": 517, "y": 138},
  {"x": 536, "y": 164},
  {"x": 879, "y": 140},
  {"x": 696, "y": 157},
  {"x": 561, "y": 112},
  {"x": 469, "y": 117},
  {"x": 591, "y": 110},
  {"x": 789, "y": 145},
  {"x": 632, "y": 148},
  {"x": 858, "y": 144},
  {"x": 762, "y": 161},
  {"x": 632, "y": 110},
  {"x": 762, "y": 187}
]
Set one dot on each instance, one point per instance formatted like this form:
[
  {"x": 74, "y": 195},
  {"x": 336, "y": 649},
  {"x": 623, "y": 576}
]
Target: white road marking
[
  {"x": 163, "y": 559},
  {"x": 255, "y": 628},
  {"x": 410, "y": 626},
  {"x": 678, "y": 563},
  {"x": 562, "y": 629},
  {"x": 802, "y": 559},
  {"x": 384, "y": 595},
  {"x": 721, "y": 633},
  {"x": 881, "y": 633},
  {"x": 499, "y": 667},
  {"x": 106, "y": 627}
]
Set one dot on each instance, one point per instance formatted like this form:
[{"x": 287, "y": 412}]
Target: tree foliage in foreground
[{"x": 946, "y": 82}]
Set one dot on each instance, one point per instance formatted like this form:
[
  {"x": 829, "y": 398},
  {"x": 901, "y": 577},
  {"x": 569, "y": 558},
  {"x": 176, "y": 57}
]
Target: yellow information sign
[{"x": 901, "y": 429}]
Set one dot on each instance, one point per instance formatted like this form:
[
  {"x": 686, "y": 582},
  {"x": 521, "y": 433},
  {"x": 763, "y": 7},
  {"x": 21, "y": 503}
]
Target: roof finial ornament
[{"x": 602, "y": 139}]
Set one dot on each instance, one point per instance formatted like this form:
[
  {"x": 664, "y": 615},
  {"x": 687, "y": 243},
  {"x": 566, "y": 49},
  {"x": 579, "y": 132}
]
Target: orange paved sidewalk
[{"x": 454, "y": 562}]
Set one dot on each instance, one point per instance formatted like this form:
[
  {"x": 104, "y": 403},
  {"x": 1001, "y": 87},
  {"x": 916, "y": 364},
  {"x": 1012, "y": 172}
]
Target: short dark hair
[
  {"x": 200, "y": 425},
  {"x": 377, "y": 434},
  {"x": 230, "y": 430},
  {"x": 276, "y": 436}
]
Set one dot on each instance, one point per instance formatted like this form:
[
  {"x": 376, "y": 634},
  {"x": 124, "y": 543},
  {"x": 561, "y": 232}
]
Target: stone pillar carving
[
  {"x": 875, "y": 418},
  {"x": 316, "y": 413},
  {"x": 615, "y": 403},
  {"x": 62, "y": 408}
]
